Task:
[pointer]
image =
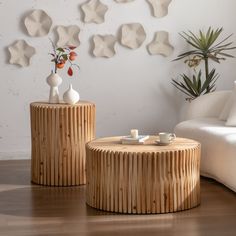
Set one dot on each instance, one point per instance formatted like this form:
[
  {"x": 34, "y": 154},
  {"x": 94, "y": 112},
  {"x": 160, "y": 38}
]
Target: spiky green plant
[{"x": 205, "y": 48}]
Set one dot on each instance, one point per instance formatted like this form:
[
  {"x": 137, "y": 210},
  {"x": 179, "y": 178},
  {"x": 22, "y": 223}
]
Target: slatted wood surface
[
  {"x": 59, "y": 133},
  {"x": 142, "y": 179}
]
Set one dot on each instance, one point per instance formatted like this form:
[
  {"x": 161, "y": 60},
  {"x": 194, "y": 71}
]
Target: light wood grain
[
  {"x": 59, "y": 133},
  {"x": 143, "y": 179}
]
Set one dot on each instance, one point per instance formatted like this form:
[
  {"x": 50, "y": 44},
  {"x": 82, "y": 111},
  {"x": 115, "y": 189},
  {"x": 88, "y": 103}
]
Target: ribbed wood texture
[
  {"x": 59, "y": 133},
  {"x": 143, "y": 179}
]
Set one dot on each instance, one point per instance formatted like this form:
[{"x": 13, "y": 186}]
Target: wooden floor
[{"x": 30, "y": 210}]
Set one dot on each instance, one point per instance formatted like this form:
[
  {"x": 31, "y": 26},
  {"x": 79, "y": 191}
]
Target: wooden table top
[
  {"x": 61, "y": 104},
  {"x": 114, "y": 144}
]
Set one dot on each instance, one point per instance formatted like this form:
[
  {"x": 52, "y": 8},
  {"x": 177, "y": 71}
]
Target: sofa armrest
[{"x": 208, "y": 105}]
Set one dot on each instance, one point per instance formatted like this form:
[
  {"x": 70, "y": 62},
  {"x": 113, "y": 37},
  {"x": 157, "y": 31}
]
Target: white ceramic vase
[
  {"x": 71, "y": 96},
  {"x": 54, "y": 80}
]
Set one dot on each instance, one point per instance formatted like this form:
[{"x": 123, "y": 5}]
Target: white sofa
[{"x": 218, "y": 141}]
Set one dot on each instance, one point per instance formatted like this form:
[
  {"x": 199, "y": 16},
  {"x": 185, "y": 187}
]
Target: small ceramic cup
[{"x": 166, "y": 138}]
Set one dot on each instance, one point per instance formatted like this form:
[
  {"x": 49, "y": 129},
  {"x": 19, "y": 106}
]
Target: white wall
[{"x": 131, "y": 90}]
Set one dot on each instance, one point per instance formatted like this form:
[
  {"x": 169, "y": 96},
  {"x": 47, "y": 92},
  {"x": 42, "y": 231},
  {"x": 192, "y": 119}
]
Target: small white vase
[
  {"x": 71, "y": 96},
  {"x": 54, "y": 80}
]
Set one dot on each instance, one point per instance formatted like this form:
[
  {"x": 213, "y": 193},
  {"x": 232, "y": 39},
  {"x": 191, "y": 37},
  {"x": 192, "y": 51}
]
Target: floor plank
[{"x": 32, "y": 210}]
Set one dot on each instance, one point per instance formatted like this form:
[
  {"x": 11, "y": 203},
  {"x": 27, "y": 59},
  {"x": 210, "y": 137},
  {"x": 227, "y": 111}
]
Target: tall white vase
[
  {"x": 54, "y": 80},
  {"x": 71, "y": 96}
]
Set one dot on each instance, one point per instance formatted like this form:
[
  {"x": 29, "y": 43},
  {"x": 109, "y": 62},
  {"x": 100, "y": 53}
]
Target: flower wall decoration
[
  {"x": 159, "y": 7},
  {"x": 160, "y": 44},
  {"x": 132, "y": 35},
  {"x": 104, "y": 46},
  {"x": 68, "y": 35},
  {"x": 38, "y": 23},
  {"x": 21, "y": 53},
  {"x": 94, "y": 11},
  {"x": 124, "y": 1}
]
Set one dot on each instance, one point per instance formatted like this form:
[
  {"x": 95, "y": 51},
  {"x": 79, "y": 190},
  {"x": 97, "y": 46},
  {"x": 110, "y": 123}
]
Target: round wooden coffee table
[
  {"x": 143, "y": 179},
  {"x": 59, "y": 133}
]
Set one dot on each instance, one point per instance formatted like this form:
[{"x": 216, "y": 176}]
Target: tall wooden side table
[
  {"x": 143, "y": 179},
  {"x": 59, "y": 133}
]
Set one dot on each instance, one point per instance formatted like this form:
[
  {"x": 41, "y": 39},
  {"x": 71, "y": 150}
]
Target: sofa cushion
[
  {"x": 208, "y": 105},
  {"x": 218, "y": 142},
  {"x": 226, "y": 109},
  {"x": 231, "y": 120},
  {"x": 229, "y": 111}
]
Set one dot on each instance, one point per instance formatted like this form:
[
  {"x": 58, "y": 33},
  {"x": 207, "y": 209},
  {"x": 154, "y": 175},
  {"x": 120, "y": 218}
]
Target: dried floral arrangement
[{"x": 62, "y": 56}]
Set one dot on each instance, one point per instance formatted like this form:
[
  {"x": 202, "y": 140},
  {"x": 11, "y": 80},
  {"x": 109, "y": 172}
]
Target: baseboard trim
[{"x": 21, "y": 155}]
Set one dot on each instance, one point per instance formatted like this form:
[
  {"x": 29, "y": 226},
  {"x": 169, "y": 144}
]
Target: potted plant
[{"x": 206, "y": 47}]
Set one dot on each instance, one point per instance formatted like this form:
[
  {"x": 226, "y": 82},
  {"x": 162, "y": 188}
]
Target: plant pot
[
  {"x": 71, "y": 96},
  {"x": 54, "y": 80}
]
